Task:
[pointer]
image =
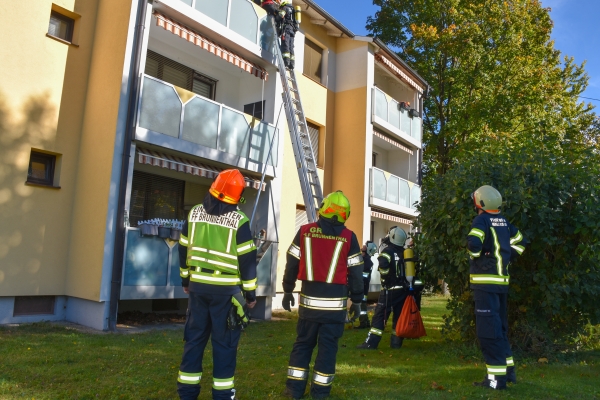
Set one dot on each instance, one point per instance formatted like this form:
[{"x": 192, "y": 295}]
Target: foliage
[
  {"x": 553, "y": 199},
  {"x": 49, "y": 361},
  {"x": 495, "y": 76}
]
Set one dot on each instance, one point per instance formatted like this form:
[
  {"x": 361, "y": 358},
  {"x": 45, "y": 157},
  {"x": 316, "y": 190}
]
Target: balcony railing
[
  {"x": 240, "y": 16},
  {"x": 390, "y": 111},
  {"x": 395, "y": 190},
  {"x": 179, "y": 113}
]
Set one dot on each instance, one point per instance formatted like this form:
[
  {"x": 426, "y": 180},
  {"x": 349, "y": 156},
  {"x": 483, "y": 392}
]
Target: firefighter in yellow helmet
[
  {"x": 217, "y": 259},
  {"x": 492, "y": 242},
  {"x": 288, "y": 32},
  {"x": 326, "y": 257}
]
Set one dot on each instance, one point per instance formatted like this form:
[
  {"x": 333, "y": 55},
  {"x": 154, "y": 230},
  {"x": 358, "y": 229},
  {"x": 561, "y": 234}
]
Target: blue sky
[{"x": 576, "y": 31}]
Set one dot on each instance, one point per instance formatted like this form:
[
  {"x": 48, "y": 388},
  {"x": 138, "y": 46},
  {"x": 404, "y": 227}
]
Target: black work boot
[
  {"x": 396, "y": 342},
  {"x": 364, "y": 318},
  {"x": 367, "y": 346},
  {"x": 496, "y": 382},
  {"x": 288, "y": 394},
  {"x": 511, "y": 375}
]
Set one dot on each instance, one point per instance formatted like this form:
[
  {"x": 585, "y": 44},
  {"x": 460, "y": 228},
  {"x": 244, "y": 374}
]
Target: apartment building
[{"x": 115, "y": 113}]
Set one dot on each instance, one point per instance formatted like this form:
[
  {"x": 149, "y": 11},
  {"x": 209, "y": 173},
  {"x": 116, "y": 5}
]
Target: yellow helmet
[
  {"x": 336, "y": 205},
  {"x": 487, "y": 198},
  {"x": 286, "y": 2}
]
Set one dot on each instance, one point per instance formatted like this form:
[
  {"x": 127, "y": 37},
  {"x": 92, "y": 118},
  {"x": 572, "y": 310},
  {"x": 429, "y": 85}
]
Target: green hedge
[{"x": 553, "y": 200}]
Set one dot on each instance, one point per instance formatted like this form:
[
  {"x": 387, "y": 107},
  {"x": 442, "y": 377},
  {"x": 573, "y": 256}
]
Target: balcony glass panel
[
  {"x": 381, "y": 105},
  {"x": 267, "y": 36},
  {"x": 201, "y": 122},
  {"x": 216, "y": 10},
  {"x": 262, "y": 135},
  {"x": 415, "y": 196},
  {"x": 188, "y": 2},
  {"x": 405, "y": 122},
  {"x": 404, "y": 194},
  {"x": 243, "y": 19},
  {"x": 379, "y": 184},
  {"x": 235, "y": 133},
  {"x": 393, "y": 189},
  {"x": 146, "y": 260},
  {"x": 394, "y": 114},
  {"x": 160, "y": 109},
  {"x": 416, "y": 128}
]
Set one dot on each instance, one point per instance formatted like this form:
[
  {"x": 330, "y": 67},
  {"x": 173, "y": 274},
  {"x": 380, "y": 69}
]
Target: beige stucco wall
[
  {"x": 96, "y": 151},
  {"x": 35, "y": 221},
  {"x": 43, "y": 99}
]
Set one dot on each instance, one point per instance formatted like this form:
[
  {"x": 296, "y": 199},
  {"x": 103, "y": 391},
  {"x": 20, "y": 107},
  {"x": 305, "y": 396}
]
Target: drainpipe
[
  {"x": 134, "y": 84},
  {"x": 420, "y": 174}
]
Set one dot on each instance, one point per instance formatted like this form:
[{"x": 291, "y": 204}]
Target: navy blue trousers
[
  {"x": 309, "y": 334},
  {"x": 207, "y": 318},
  {"x": 491, "y": 320}
]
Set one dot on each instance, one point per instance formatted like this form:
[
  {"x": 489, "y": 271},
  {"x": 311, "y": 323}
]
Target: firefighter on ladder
[
  {"x": 325, "y": 256},
  {"x": 217, "y": 261},
  {"x": 287, "y": 20}
]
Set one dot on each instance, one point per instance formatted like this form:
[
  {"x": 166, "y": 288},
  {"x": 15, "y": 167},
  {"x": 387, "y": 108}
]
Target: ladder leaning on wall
[{"x": 306, "y": 163}]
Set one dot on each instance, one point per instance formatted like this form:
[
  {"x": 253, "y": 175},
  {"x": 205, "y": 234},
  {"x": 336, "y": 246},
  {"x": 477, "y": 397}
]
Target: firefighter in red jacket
[
  {"x": 271, "y": 6},
  {"x": 326, "y": 257}
]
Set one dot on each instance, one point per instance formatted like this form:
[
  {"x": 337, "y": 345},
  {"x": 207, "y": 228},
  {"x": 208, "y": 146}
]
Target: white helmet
[
  {"x": 371, "y": 248},
  {"x": 397, "y": 236}
]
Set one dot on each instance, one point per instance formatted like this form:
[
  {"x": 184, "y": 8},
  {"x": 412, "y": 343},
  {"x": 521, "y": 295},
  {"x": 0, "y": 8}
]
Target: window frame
[
  {"x": 49, "y": 161},
  {"x": 318, "y": 79},
  {"x": 70, "y": 26}
]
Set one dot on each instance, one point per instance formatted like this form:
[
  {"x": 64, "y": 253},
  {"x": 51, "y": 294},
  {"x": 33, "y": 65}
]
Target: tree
[
  {"x": 496, "y": 79},
  {"x": 553, "y": 199},
  {"x": 503, "y": 110}
]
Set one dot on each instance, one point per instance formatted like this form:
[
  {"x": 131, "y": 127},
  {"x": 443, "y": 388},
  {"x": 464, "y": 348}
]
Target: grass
[{"x": 49, "y": 361}]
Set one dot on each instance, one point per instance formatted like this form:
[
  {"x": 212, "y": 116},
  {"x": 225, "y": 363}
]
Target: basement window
[
  {"x": 61, "y": 26},
  {"x": 34, "y": 305}
]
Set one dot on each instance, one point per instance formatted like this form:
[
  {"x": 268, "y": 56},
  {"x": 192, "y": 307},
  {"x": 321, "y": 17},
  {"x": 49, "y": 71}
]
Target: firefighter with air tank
[{"x": 398, "y": 281}]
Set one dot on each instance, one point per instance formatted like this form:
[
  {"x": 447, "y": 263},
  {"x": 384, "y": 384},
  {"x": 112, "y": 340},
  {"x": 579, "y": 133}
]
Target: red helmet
[{"x": 229, "y": 186}]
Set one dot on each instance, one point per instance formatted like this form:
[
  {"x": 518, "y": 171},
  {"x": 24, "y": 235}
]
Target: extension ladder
[{"x": 303, "y": 152}]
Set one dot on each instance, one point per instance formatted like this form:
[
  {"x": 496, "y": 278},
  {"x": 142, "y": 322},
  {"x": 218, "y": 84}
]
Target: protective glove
[
  {"x": 288, "y": 299},
  {"x": 354, "y": 311}
]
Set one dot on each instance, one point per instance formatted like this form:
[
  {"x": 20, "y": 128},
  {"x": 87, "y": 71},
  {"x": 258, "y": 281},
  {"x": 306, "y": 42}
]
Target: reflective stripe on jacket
[{"x": 324, "y": 258}]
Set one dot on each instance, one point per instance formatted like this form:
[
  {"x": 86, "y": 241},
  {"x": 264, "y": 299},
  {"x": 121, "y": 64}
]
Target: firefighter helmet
[
  {"x": 397, "y": 236},
  {"x": 335, "y": 205},
  {"x": 488, "y": 199},
  {"x": 229, "y": 186},
  {"x": 371, "y": 248}
]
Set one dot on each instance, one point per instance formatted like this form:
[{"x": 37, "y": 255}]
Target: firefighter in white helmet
[{"x": 394, "y": 289}]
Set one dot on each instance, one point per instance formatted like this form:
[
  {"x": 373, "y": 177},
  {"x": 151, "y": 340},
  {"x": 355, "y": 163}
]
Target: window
[
  {"x": 372, "y": 233},
  {"x": 61, "y": 26},
  {"x": 41, "y": 168},
  {"x": 313, "y": 133},
  {"x": 301, "y": 217},
  {"x": 255, "y": 109},
  {"x": 313, "y": 59},
  {"x": 374, "y": 160},
  {"x": 33, "y": 305},
  {"x": 154, "y": 196},
  {"x": 177, "y": 74}
]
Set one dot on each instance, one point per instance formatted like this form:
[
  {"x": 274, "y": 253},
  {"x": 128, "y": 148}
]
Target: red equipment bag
[{"x": 410, "y": 324}]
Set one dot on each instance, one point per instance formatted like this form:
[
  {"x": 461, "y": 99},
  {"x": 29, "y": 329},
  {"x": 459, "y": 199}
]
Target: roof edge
[{"x": 328, "y": 16}]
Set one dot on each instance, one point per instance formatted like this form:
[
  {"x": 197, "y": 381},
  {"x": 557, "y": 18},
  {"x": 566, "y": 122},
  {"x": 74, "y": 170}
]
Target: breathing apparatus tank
[
  {"x": 298, "y": 14},
  {"x": 409, "y": 266}
]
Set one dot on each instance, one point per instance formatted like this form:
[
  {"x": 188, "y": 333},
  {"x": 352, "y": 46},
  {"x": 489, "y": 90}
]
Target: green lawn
[{"x": 45, "y": 361}]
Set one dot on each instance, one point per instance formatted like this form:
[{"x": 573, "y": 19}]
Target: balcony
[
  {"x": 394, "y": 193},
  {"x": 240, "y": 16},
  {"x": 175, "y": 118},
  {"x": 389, "y": 116}
]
